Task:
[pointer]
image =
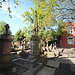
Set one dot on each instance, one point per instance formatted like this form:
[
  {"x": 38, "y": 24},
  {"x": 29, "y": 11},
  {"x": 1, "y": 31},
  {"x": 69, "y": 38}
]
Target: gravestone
[
  {"x": 50, "y": 47},
  {"x": 35, "y": 38},
  {"x": 23, "y": 44},
  {"x": 5, "y": 42},
  {"x": 31, "y": 57},
  {"x": 36, "y": 49}
]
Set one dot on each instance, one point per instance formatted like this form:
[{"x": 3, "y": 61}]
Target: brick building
[{"x": 68, "y": 40}]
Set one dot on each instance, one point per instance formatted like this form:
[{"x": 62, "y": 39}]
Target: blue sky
[{"x": 16, "y": 22}]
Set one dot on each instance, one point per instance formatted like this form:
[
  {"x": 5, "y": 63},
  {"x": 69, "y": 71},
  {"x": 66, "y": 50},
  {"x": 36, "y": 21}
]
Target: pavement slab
[
  {"x": 53, "y": 63},
  {"x": 46, "y": 71}
]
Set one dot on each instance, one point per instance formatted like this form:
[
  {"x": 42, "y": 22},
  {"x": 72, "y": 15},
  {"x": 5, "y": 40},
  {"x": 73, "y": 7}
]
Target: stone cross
[
  {"x": 7, "y": 28},
  {"x": 31, "y": 44}
]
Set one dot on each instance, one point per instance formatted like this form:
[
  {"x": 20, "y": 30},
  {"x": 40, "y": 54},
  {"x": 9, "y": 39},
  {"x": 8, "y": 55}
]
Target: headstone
[
  {"x": 5, "y": 45},
  {"x": 35, "y": 38},
  {"x": 31, "y": 44},
  {"x": 23, "y": 44},
  {"x": 5, "y": 42},
  {"x": 31, "y": 57},
  {"x": 47, "y": 46},
  {"x": 36, "y": 49},
  {"x": 50, "y": 47}
]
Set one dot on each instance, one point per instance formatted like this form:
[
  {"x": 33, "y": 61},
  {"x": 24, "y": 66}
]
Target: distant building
[{"x": 68, "y": 40}]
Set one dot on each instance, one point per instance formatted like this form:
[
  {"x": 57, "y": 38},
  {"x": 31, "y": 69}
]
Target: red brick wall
[{"x": 64, "y": 39}]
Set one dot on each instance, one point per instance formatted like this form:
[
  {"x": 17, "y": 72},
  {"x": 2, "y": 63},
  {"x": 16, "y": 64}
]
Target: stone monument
[
  {"x": 35, "y": 38},
  {"x": 23, "y": 44},
  {"x": 5, "y": 42},
  {"x": 31, "y": 57}
]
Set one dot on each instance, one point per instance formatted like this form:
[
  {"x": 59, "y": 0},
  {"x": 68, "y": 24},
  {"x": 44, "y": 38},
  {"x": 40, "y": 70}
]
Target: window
[
  {"x": 70, "y": 40},
  {"x": 70, "y": 29}
]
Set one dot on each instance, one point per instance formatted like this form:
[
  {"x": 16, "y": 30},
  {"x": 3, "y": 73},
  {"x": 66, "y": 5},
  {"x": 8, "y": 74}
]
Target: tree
[
  {"x": 61, "y": 28},
  {"x": 19, "y": 35},
  {"x": 2, "y": 28},
  {"x": 45, "y": 10},
  {"x": 16, "y": 2},
  {"x": 24, "y": 33},
  {"x": 45, "y": 13},
  {"x": 28, "y": 17},
  {"x": 65, "y": 10},
  {"x": 27, "y": 32}
]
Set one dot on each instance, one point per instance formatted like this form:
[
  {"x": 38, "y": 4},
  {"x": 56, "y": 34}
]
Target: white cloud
[
  {"x": 5, "y": 10},
  {"x": 15, "y": 14}
]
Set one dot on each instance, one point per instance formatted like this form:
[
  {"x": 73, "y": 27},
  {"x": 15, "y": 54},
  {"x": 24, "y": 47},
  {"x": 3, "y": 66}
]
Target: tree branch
[
  {"x": 65, "y": 8},
  {"x": 69, "y": 18}
]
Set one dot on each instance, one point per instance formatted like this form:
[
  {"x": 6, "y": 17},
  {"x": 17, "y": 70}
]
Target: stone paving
[
  {"x": 53, "y": 63},
  {"x": 64, "y": 65},
  {"x": 46, "y": 71}
]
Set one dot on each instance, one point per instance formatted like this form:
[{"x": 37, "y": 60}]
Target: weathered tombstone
[
  {"x": 5, "y": 45},
  {"x": 5, "y": 42},
  {"x": 31, "y": 57},
  {"x": 23, "y": 44},
  {"x": 36, "y": 49},
  {"x": 50, "y": 47},
  {"x": 35, "y": 38},
  {"x": 31, "y": 44}
]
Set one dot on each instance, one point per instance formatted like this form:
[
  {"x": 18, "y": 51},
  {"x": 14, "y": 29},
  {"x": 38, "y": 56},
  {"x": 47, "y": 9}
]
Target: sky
[{"x": 16, "y": 22}]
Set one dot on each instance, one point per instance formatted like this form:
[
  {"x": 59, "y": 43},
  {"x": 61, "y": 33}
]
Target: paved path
[
  {"x": 46, "y": 71},
  {"x": 59, "y": 66}
]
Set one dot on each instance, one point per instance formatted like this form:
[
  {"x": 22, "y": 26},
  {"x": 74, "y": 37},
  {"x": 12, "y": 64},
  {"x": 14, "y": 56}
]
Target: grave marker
[{"x": 5, "y": 42}]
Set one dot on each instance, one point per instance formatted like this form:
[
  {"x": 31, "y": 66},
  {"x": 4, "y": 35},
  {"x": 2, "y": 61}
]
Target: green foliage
[
  {"x": 45, "y": 13},
  {"x": 45, "y": 10},
  {"x": 41, "y": 32},
  {"x": 0, "y": 4},
  {"x": 27, "y": 32},
  {"x": 19, "y": 35},
  {"x": 2, "y": 28},
  {"x": 61, "y": 28},
  {"x": 29, "y": 17},
  {"x": 24, "y": 33}
]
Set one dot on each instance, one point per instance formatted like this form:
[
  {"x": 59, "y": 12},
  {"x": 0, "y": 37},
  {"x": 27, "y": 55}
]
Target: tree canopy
[
  {"x": 46, "y": 18},
  {"x": 2, "y": 28},
  {"x": 45, "y": 12},
  {"x": 24, "y": 33},
  {"x": 19, "y": 35},
  {"x": 65, "y": 10}
]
